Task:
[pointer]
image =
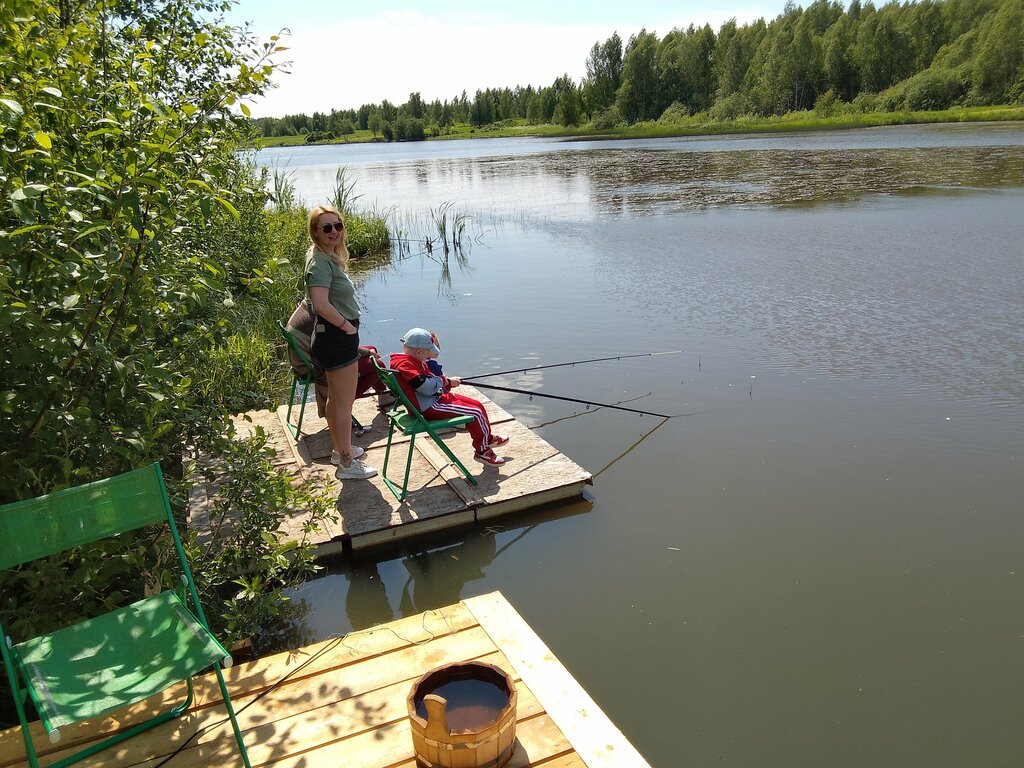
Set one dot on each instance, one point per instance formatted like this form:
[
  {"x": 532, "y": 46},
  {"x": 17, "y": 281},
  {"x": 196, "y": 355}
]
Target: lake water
[{"x": 819, "y": 562}]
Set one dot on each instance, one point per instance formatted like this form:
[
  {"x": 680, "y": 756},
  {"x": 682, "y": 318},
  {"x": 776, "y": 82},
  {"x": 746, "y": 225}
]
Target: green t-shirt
[{"x": 322, "y": 272}]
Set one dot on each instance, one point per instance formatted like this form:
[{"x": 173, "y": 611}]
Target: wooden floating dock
[
  {"x": 439, "y": 496},
  {"x": 342, "y": 702}
]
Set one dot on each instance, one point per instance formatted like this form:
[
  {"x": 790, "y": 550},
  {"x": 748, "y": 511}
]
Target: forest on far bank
[{"x": 926, "y": 55}]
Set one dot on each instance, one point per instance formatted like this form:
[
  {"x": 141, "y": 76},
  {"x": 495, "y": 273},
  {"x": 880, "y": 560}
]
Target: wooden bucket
[{"x": 475, "y": 727}]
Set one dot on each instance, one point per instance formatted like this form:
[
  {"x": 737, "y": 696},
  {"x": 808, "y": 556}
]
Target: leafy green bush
[
  {"x": 1016, "y": 91},
  {"x": 865, "y": 102},
  {"x": 249, "y": 363},
  {"x": 244, "y": 557},
  {"x": 936, "y": 88},
  {"x": 367, "y": 235},
  {"x": 729, "y": 107},
  {"x": 120, "y": 240},
  {"x": 675, "y": 113},
  {"x": 827, "y": 104},
  {"x": 140, "y": 270},
  {"x": 891, "y": 100},
  {"x": 410, "y": 129},
  {"x": 607, "y": 118}
]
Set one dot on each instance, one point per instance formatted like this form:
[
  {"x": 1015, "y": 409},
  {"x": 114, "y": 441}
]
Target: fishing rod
[
  {"x": 574, "y": 362},
  {"x": 571, "y": 400}
]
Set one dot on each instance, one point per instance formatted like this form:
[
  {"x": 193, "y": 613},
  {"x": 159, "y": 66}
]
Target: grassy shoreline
[{"x": 793, "y": 121}]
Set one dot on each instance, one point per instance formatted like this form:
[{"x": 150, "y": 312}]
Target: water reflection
[
  {"x": 673, "y": 182},
  {"x": 435, "y": 578},
  {"x": 438, "y": 577},
  {"x": 835, "y": 547},
  {"x": 366, "y": 601},
  {"x": 377, "y": 591},
  {"x": 503, "y": 182}
]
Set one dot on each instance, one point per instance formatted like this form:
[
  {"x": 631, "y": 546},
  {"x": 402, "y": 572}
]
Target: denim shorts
[{"x": 332, "y": 347}]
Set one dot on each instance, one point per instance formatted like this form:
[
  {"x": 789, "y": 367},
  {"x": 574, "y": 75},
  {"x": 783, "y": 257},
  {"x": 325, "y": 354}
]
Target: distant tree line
[{"x": 931, "y": 54}]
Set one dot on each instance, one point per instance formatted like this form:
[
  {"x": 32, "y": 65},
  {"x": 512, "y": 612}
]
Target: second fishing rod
[
  {"x": 593, "y": 403},
  {"x": 570, "y": 363},
  {"x": 590, "y": 403}
]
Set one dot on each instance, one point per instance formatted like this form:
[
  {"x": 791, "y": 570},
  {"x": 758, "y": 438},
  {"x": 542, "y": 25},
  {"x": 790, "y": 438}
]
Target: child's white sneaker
[
  {"x": 490, "y": 457},
  {"x": 356, "y": 453},
  {"x": 355, "y": 471}
]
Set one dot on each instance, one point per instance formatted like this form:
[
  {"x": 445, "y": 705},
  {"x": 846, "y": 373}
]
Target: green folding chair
[
  {"x": 303, "y": 377},
  {"x": 410, "y": 422},
  {"x": 99, "y": 665}
]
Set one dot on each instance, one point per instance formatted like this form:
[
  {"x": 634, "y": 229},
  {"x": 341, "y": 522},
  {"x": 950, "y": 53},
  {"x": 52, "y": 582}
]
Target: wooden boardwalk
[
  {"x": 439, "y": 496},
  {"x": 342, "y": 702}
]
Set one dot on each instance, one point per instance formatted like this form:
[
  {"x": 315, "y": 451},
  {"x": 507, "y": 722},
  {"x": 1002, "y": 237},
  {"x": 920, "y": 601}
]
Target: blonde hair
[{"x": 340, "y": 255}]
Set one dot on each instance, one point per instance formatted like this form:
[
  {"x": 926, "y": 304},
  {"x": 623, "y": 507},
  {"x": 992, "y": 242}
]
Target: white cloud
[
  {"x": 350, "y": 63},
  {"x": 365, "y": 62}
]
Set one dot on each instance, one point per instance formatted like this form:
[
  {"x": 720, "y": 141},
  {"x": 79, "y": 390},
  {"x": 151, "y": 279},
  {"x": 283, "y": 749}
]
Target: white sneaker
[
  {"x": 356, "y": 471},
  {"x": 356, "y": 453},
  {"x": 490, "y": 457}
]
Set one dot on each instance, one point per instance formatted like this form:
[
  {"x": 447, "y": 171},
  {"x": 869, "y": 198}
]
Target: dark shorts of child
[{"x": 332, "y": 347}]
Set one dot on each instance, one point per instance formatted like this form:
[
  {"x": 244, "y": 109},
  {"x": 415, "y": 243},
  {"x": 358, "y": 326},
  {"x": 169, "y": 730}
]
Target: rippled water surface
[{"x": 819, "y": 561}]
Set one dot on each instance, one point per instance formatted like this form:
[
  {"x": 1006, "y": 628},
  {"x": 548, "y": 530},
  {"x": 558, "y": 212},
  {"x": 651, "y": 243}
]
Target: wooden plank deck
[
  {"x": 341, "y": 702},
  {"x": 439, "y": 496}
]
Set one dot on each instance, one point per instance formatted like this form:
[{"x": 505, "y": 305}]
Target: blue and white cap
[{"x": 418, "y": 338}]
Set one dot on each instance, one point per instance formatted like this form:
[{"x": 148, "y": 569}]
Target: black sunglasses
[{"x": 326, "y": 228}]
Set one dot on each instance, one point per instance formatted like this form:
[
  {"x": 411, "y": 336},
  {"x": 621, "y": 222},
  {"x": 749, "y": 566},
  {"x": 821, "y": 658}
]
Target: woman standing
[{"x": 335, "y": 340}]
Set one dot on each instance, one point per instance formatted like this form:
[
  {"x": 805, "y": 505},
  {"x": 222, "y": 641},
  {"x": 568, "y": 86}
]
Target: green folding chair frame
[
  {"x": 303, "y": 383},
  {"x": 410, "y": 422},
  {"x": 299, "y": 382},
  {"x": 99, "y": 665}
]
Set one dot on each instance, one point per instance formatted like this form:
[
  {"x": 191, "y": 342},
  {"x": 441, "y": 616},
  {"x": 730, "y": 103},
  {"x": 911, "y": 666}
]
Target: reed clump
[{"x": 450, "y": 226}]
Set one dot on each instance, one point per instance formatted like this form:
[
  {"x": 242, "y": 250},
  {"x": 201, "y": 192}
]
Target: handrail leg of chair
[
  {"x": 384, "y": 471},
  {"x": 288, "y": 414},
  {"x": 408, "y": 467},
  {"x": 231, "y": 714},
  {"x": 117, "y": 738},
  {"x": 302, "y": 409},
  {"x": 455, "y": 459},
  {"x": 19, "y": 696},
  {"x": 180, "y": 709}
]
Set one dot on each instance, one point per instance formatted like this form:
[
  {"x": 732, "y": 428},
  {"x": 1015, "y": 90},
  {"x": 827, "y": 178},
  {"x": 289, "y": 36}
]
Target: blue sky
[{"x": 346, "y": 54}]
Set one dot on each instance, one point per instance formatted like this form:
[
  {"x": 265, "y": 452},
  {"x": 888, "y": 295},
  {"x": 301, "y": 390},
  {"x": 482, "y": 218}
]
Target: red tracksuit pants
[{"x": 451, "y": 405}]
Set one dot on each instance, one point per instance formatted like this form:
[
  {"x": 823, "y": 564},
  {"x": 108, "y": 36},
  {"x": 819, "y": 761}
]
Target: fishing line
[
  {"x": 574, "y": 362},
  {"x": 632, "y": 447},
  {"x": 575, "y": 415},
  {"x": 587, "y": 412}
]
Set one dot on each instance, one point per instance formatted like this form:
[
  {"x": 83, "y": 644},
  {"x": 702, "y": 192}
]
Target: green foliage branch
[
  {"x": 118, "y": 147},
  {"x": 250, "y": 554},
  {"x": 134, "y": 244}
]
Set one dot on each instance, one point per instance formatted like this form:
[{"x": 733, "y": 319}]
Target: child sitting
[{"x": 432, "y": 396}]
